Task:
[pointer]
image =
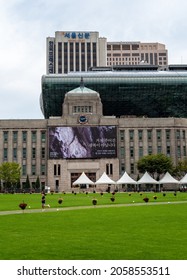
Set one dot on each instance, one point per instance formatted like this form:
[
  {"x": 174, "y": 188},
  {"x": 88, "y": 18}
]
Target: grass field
[
  {"x": 12, "y": 201},
  {"x": 148, "y": 231}
]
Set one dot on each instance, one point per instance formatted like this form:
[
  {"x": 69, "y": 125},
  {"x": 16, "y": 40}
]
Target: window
[
  {"x": 56, "y": 184},
  {"x": 159, "y": 150},
  {"x": 42, "y": 169},
  {"x": 14, "y": 153},
  {"x": 131, "y": 135},
  {"x": 150, "y": 150},
  {"x": 135, "y": 47},
  {"x": 149, "y": 135},
  {"x": 24, "y": 136},
  {"x": 131, "y": 152},
  {"x": 24, "y": 170},
  {"x": 109, "y": 168},
  {"x": 15, "y": 136},
  {"x": 33, "y": 135},
  {"x": 168, "y": 150},
  {"x": 43, "y": 153},
  {"x": 184, "y": 151},
  {"x": 179, "y": 151},
  {"x": 57, "y": 170},
  {"x": 43, "y": 136},
  {"x": 132, "y": 168},
  {"x": 183, "y": 134},
  {"x": 116, "y": 47},
  {"x": 24, "y": 153},
  {"x": 168, "y": 134},
  {"x": 122, "y": 167},
  {"x": 140, "y": 152},
  {"x": 5, "y": 136},
  {"x": 122, "y": 135},
  {"x": 158, "y": 134},
  {"x": 33, "y": 169},
  {"x": 178, "y": 134},
  {"x": 140, "y": 135},
  {"x": 125, "y": 47},
  {"x": 33, "y": 153},
  {"x": 122, "y": 151},
  {"x": 5, "y": 154}
]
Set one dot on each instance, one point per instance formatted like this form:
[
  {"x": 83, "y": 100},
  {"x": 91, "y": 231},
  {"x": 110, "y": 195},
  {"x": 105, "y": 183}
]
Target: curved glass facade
[{"x": 140, "y": 93}]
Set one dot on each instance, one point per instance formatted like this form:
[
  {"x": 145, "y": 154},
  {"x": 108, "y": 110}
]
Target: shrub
[
  {"x": 60, "y": 200},
  {"x": 94, "y": 201},
  {"x": 155, "y": 197},
  {"x": 146, "y": 199},
  {"x": 23, "y": 205},
  {"x": 112, "y": 199}
]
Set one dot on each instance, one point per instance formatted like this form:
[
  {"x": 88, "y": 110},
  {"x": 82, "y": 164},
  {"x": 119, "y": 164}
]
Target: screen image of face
[{"x": 82, "y": 142}]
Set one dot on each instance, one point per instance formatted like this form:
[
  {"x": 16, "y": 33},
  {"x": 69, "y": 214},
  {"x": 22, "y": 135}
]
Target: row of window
[
  {"x": 181, "y": 151},
  {"x": 123, "y": 59},
  {"x": 159, "y": 134},
  {"x": 67, "y": 57},
  {"x": 24, "y": 153},
  {"x": 161, "y": 63},
  {"x": 82, "y": 109},
  {"x": 117, "y": 47},
  {"x": 34, "y": 172},
  {"x": 24, "y": 136}
]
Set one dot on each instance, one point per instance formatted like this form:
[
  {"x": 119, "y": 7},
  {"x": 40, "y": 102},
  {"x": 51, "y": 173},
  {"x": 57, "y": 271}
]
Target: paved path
[{"x": 47, "y": 210}]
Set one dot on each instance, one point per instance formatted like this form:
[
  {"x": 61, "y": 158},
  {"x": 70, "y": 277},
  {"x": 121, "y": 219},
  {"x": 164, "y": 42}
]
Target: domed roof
[{"x": 82, "y": 90}]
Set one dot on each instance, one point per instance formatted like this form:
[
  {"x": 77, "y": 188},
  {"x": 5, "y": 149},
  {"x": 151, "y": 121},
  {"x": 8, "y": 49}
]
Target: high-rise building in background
[
  {"x": 134, "y": 53},
  {"x": 74, "y": 51}
]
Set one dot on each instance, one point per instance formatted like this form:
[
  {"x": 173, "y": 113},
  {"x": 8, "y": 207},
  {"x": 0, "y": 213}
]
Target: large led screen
[{"x": 82, "y": 142}]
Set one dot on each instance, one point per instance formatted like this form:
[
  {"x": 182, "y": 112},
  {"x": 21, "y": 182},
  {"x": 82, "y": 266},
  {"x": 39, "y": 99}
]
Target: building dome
[{"x": 82, "y": 90}]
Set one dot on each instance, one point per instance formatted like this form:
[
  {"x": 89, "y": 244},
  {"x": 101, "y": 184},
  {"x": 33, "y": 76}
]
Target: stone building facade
[{"x": 41, "y": 146}]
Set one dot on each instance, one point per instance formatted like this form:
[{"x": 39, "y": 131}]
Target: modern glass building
[{"x": 152, "y": 93}]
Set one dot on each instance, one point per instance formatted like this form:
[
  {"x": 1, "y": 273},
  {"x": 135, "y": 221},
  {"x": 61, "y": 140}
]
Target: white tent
[
  {"x": 83, "y": 179},
  {"x": 126, "y": 179},
  {"x": 168, "y": 179},
  {"x": 104, "y": 179},
  {"x": 183, "y": 180},
  {"x": 147, "y": 179}
]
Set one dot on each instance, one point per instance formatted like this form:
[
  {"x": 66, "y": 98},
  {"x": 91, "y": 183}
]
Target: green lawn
[
  {"x": 118, "y": 233},
  {"x": 12, "y": 201}
]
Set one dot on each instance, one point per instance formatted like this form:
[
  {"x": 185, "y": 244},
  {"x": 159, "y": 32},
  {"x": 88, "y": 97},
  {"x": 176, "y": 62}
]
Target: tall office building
[
  {"x": 71, "y": 51},
  {"x": 74, "y": 51},
  {"x": 133, "y": 53}
]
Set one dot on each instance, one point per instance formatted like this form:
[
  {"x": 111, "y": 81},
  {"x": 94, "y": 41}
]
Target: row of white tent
[{"x": 126, "y": 179}]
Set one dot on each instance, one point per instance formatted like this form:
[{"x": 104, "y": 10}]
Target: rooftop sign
[{"x": 77, "y": 35}]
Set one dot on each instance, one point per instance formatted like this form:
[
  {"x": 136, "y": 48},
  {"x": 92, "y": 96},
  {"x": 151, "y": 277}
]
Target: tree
[
  {"x": 10, "y": 173},
  {"x": 155, "y": 165},
  {"x": 181, "y": 168},
  {"x": 27, "y": 183},
  {"x": 37, "y": 184}
]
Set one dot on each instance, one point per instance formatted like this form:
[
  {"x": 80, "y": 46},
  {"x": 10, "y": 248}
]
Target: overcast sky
[{"x": 24, "y": 26}]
